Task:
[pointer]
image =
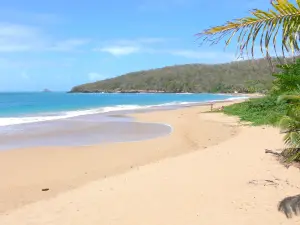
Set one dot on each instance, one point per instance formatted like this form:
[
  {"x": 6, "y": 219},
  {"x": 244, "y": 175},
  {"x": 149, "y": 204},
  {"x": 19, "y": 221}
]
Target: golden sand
[{"x": 210, "y": 170}]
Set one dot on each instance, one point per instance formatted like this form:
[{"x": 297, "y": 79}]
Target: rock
[{"x": 45, "y": 189}]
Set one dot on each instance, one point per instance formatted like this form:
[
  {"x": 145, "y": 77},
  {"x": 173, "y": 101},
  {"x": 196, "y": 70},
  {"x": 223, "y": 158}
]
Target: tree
[
  {"x": 290, "y": 126},
  {"x": 288, "y": 80},
  {"x": 264, "y": 27}
]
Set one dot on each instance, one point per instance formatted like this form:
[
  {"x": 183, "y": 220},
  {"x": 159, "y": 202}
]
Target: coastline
[
  {"x": 91, "y": 127},
  {"x": 64, "y": 168},
  {"x": 177, "y": 179},
  {"x": 15, "y": 118}
]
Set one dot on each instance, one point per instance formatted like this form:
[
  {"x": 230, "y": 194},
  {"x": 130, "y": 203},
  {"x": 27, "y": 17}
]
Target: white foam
[
  {"x": 7, "y": 121},
  {"x": 237, "y": 98},
  {"x": 63, "y": 115}
]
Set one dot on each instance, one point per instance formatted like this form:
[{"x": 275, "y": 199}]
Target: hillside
[{"x": 242, "y": 76}]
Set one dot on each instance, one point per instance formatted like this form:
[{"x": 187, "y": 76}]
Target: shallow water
[
  {"x": 20, "y": 108},
  {"x": 60, "y": 119},
  {"x": 80, "y": 131}
]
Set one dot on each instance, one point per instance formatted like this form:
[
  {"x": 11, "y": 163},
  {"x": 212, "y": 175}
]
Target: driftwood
[
  {"x": 263, "y": 182},
  {"x": 290, "y": 205},
  {"x": 289, "y": 131},
  {"x": 272, "y": 152}
]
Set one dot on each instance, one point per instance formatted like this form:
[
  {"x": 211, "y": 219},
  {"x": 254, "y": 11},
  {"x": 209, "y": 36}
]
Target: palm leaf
[
  {"x": 287, "y": 124},
  {"x": 294, "y": 110},
  {"x": 292, "y": 155},
  {"x": 262, "y": 26},
  {"x": 289, "y": 98},
  {"x": 294, "y": 139}
]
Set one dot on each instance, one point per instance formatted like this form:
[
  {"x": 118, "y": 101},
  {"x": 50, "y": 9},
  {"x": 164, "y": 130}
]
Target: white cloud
[
  {"x": 16, "y": 30},
  {"x": 96, "y": 76},
  {"x": 69, "y": 45},
  {"x": 129, "y": 46},
  {"x": 125, "y": 47},
  {"x": 121, "y": 50},
  {"x": 23, "y": 38},
  {"x": 15, "y": 38}
]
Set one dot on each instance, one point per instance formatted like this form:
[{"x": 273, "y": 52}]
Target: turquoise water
[
  {"x": 18, "y": 108},
  {"x": 61, "y": 119}
]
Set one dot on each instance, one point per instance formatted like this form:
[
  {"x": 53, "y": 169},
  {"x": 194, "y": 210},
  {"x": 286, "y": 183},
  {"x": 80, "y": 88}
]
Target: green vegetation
[
  {"x": 267, "y": 110},
  {"x": 282, "y": 105},
  {"x": 288, "y": 80},
  {"x": 290, "y": 125},
  {"x": 242, "y": 76},
  {"x": 260, "y": 111},
  {"x": 264, "y": 26}
]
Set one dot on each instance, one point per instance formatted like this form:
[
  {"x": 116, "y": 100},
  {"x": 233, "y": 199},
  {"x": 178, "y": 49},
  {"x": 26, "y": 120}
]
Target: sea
[
  {"x": 18, "y": 108},
  {"x": 58, "y": 118}
]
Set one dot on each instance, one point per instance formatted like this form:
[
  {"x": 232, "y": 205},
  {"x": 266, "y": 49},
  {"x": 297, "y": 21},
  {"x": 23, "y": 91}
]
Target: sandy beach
[{"x": 211, "y": 170}]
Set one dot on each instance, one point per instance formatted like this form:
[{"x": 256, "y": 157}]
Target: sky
[{"x": 59, "y": 44}]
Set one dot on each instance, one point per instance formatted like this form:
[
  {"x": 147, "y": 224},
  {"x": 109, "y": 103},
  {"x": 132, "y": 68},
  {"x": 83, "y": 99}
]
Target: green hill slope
[{"x": 241, "y": 76}]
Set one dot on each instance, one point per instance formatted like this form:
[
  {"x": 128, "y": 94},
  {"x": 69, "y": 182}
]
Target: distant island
[
  {"x": 236, "y": 77},
  {"x": 46, "y": 90}
]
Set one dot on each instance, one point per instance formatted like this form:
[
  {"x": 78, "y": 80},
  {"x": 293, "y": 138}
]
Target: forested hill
[{"x": 241, "y": 76}]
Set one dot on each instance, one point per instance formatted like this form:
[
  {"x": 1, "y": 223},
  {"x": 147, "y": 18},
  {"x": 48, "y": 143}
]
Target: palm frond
[
  {"x": 294, "y": 112},
  {"x": 290, "y": 155},
  {"x": 289, "y": 98},
  {"x": 294, "y": 139},
  {"x": 262, "y": 26},
  {"x": 287, "y": 124}
]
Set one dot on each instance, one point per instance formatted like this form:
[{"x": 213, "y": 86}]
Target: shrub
[{"x": 259, "y": 111}]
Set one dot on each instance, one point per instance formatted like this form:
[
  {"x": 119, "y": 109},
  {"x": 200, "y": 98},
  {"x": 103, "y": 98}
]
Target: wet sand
[{"x": 83, "y": 134}]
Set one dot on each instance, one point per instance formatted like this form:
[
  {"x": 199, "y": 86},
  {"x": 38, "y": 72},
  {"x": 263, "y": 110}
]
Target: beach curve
[
  {"x": 64, "y": 168},
  {"x": 225, "y": 184}
]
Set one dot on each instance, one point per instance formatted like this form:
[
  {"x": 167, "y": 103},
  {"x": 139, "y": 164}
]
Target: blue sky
[{"x": 58, "y": 44}]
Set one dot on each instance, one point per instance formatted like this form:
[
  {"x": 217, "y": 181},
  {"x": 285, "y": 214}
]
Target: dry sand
[{"x": 210, "y": 171}]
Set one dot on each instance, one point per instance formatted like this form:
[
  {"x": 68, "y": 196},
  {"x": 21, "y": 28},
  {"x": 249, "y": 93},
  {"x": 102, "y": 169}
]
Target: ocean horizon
[{"x": 27, "y": 107}]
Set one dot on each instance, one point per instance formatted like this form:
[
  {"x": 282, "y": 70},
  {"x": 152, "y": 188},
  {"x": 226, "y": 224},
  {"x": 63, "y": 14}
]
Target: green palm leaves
[
  {"x": 289, "y": 98},
  {"x": 287, "y": 82},
  {"x": 290, "y": 126},
  {"x": 264, "y": 27},
  {"x": 288, "y": 79}
]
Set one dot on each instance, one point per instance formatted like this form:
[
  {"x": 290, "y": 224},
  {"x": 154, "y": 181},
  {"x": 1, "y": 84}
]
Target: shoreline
[
  {"x": 210, "y": 165},
  {"x": 93, "y": 129},
  {"x": 106, "y": 110},
  {"x": 232, "y": 178},
  {"x": 64, "y": 168}
]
